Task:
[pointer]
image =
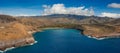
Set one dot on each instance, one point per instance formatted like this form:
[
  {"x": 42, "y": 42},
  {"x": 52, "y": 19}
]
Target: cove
[{"x": 68, "y": 41}]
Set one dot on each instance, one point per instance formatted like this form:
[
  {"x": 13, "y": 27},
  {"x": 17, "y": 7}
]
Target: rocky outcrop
[
  {"x": 15, "y": 43},
  {"x": 6, "y": 19}
]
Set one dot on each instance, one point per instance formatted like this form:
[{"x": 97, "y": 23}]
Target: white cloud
[
  {"x": 114, "y": 5},
  {"x": 113, "y": 15},
  {"x": 25, "y": 15},
  {"x": 61, "y": 9},
  {"x": 19, "y": 11}
]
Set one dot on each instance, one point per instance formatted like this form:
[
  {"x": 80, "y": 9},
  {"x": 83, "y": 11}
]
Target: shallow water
[{"x": 68, "y": 41}]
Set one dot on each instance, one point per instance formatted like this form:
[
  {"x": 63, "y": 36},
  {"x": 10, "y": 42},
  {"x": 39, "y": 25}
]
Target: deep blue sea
[{"x": 68, "y": 41}]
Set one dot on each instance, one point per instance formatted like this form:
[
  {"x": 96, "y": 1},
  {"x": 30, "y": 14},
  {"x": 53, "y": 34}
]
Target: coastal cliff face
[
  {"x": 13, "y": 33},
  {"x": 17, "y": 31}
]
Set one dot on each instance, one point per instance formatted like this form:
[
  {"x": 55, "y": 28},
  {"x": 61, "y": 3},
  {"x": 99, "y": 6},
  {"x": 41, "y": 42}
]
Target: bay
[{"x": 68, "y": 41}]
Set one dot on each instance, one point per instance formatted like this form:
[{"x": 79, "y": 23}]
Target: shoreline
[
  {"x": 51, "y": 28},
  {"x": 11, "y": 48},
  {"x": 96, "y": 37},
  {"x": 103, "y": 38}
]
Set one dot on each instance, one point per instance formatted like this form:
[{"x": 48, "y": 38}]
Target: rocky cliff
[{"x": 13, "y": 33}]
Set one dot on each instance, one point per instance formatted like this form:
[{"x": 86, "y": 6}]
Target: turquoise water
[{"x": 68, "y": 41}]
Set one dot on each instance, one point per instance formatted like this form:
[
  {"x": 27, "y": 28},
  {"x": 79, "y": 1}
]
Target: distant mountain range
[{"x": 81, "y": 18}]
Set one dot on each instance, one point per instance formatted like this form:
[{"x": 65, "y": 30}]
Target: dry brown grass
[{"x": 14, "y": 31}]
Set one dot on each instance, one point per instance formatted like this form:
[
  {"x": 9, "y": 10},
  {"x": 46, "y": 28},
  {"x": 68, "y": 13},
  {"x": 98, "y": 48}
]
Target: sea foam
[{"x": 7, "y": 49}]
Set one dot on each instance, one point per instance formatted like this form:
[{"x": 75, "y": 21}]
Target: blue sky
[{"x": 31, "y": 7}]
